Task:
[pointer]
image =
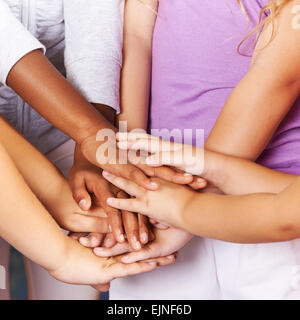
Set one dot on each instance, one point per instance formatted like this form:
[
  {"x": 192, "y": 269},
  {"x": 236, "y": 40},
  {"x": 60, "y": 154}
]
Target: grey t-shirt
[{"x": 82, "y": 38}]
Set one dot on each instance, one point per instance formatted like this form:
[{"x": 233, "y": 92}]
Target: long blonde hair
[{"x": 272, "y": 9}]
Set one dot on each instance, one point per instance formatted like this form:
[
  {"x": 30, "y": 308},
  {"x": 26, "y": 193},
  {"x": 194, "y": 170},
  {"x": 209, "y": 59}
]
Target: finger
[
  {"x": 145, "y": 253},
  {"x": 152, "y": 146},
  {"x": 134, "y": 174},
  {"x": 148, "y": 144},
  {"x": 102, "y": 191},
  {"x": 153, "y": 221},
  {"x": 80, "y": 194},
  {"x": 94, "y": 212},
  {"x": 131, "y": 225},
  {"x": 93, "y": 240},
  {"x": 161, "y": 226},
  {"x": 109, "y": 241},
  {"x": 119, "y": 248},
  {"x": 169, "y": 174},
  {"x": 124, "y": 136},
  {"x": 82, "y": 223},
  {"x": 198, "y": 183},
  {"x": 132, "y": 205},
  {"x": 164, "y": 261},
  {"x": 102, "y": 287},
  {"x": 120, "y": 270},
  {"x": 77, "y": 235},
  {"x": 126, "y": 185},
  {"x": 144, "y": 227},
  {"x": 170, "y": 158}
]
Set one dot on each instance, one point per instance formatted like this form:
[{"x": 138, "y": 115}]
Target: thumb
[{"x": 80, "y": 194}]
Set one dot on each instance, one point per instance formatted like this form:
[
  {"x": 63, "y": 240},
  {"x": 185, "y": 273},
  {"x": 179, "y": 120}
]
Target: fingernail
[
  {"x": 93, "y": 239},
  {"x": 152, "y": 263},
  {"x": 83, "y": 204},
  {"x": 170, "y": 257},
  {"x": 144, "y": 237},
  {"x": 109, "y": 228},
  {"x": 187, "y": 175},
  {"x": 98, "y": 250},
  {"x": 110, "y": 200},
  {"x": 137, "y": 244},
  {"x": 121, "y": 237},
  {"x": 105, "y": 173},
  {"x": 84, "y": 241},
  {"x": 154, "y": 184}
]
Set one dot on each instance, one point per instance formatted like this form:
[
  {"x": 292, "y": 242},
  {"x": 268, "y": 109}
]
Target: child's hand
[
  {"x": 184, "y": 157},
  {"x": 81, "y": 266},
  {"x": 86, "y": 179},
  {"x": 165, "y": 243},
  {"x": 166, "y": 205},
  {"x": 89, "y": 188},
  {"x": 70, "y": 217},
  {"x": 114, "y": 160}
]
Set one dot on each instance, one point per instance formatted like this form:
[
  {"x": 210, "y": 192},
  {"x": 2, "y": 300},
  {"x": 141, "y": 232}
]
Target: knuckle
[{"x": 134, "y": 174}]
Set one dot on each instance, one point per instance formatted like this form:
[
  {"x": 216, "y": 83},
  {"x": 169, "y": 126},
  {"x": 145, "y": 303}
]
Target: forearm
[
  {"x": 235, "y": 138},
  {"x": 252, "y": 218},
  {"x": 43, "y": 179},
  {"x": 46, "y": 90},
  {"x": 137, "y": 56},
  {"x": 235, "y": 176},
  {"x": 25, "y": 223},
  {"x": 135, "y": 83}
]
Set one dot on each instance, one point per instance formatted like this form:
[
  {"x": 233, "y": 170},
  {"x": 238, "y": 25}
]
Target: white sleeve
[
  {"x": 93, "y": 56},
  {"x": 15, "y": 41}
]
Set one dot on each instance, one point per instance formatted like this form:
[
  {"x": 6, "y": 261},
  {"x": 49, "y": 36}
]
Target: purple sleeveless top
[{"x": 196, "y": 66}]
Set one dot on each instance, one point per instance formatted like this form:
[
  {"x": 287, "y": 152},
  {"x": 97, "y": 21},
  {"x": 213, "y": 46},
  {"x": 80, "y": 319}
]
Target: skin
[{"x": 27, "y": 225}]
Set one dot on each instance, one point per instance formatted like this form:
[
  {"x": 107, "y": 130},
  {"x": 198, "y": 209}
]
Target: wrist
[
  {"x": 65, "y": 258},
  {"x": 183, "y": 208},
  {"x": 104, "y": 118},
  {"x": 64, "y": 254},
  {"x": 213, "y": 167}
]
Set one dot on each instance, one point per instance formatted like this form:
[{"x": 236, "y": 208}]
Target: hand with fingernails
[{"x": 89, "y": 186}]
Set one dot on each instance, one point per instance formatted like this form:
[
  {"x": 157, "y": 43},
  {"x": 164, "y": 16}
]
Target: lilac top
[{"x": 196, "y": 66}]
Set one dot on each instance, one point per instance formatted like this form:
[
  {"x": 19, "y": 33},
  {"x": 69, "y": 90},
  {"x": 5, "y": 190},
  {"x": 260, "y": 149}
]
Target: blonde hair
[{"x": 272, "y": 9}]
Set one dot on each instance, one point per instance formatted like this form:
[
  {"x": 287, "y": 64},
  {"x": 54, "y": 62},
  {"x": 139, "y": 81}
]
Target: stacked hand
[{"x": 130, "y": 232}]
